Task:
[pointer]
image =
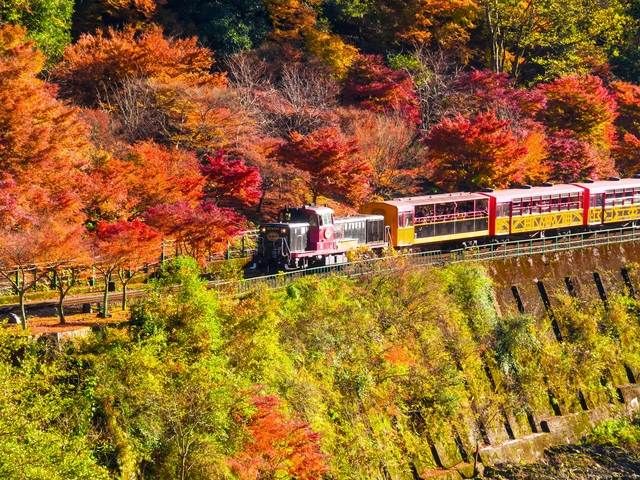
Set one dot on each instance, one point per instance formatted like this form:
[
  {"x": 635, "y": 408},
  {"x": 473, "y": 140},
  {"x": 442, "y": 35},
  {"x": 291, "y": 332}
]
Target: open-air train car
[{"x": 433, "y": 218}]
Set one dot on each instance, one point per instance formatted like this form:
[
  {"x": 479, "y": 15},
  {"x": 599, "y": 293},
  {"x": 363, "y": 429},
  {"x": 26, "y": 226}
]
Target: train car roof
[
  {"x": 359, "y": 216},
  {"x": 507, "y": 195},
  {"x": 600, "y": 186},
  {"x": 435, "y": 198}
]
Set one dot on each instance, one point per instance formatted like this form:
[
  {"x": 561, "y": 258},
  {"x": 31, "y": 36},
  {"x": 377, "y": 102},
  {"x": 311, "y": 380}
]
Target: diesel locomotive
[{"x": 312, "y": 236}]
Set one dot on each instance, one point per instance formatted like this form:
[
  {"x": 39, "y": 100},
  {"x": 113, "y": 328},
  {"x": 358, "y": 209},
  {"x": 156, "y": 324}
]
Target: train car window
[
  {"x": 628, "y": 196},
  {"x": 425, "y": 211},
  {"x": 548, "y": 203},
  {"x": 596, "y": 200},
  {"x": 480, "y": 206},
  {"x": 502, "y": 210},
  {"x": 562, "y": 202},
  {"x": 313, "y": 220},
  {"x": 295, "y": 215},
  {"x": 576, "y": 201},
  {"x": 326, "y": 219},
  {"x": 405, "y": 219}
]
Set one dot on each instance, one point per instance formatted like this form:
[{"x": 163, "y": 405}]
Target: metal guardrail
[{"x": 488, "y": 252}]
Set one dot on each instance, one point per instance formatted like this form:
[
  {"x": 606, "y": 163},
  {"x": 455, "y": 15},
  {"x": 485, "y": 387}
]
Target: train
[{"x": 312, "y": 236}]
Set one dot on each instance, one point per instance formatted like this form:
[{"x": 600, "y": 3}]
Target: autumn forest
[{"x": 125, "y": 122}]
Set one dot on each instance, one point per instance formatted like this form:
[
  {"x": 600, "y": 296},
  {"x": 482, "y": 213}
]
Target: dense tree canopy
[{"x": 47, "y": 21}]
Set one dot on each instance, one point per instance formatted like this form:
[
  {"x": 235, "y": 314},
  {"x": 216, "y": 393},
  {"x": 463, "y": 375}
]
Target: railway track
[{"x": 505, "y": 250}]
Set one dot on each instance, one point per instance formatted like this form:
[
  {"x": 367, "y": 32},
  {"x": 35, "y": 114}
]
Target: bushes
[
  {"x": 618, "y": 431},
  {"x": 367, "y": 377}
]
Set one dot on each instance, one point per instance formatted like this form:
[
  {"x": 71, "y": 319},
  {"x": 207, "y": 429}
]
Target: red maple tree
[
  {"x": 122, "y": 248},
  {"x": 332, "y": 162},
  {"x": 582, "y": 105},
  {"x": 627, "y": 149},
  {"x": 571, "y": 159},
  {"x": 199, "y": 231},
  {"x": 374, "y": 86},
  {"x": 278, "y": 445},
  {"x": 125, "y": 188},
  {"x": 230, "y": 181},
  {"x": 467, "y": 153}
]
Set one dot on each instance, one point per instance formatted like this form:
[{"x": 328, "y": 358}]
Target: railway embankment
[{"x": 585, "y": 303}]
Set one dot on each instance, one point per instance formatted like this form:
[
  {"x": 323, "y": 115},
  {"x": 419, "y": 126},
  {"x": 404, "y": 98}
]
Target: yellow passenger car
[{"x": 433, "y": 218}]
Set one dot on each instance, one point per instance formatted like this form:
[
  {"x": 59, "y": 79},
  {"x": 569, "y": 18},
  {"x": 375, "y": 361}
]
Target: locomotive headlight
[
  {"x": 283, "y": 230},
  {"x": 263, "y": 229}
]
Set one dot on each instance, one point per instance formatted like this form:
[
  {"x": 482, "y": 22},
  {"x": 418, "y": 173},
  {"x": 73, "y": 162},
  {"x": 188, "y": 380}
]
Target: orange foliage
[
  {"x": 289, "y": 18},
  {"x": 198, "y": 231},
  {"x": 446, "y": 23},
  {"x": 582, "y": 105},
  {"x": 627, "y": 96},
  {"x": 201, "y": 118},
  {"x": 98, "y": 63},
  {"x": 470, "y": 153},
  {"x": 388, "y": 143},
  {"x": 42, "y": 141},
  {"x": 146, "y": 7},
  {"x": 332, "y": 162},
  {"x": 627, "y": 154},
  {"x": 296, "y": 21},
  {"x": 124, "y": 244},
  {"x": 278, "y": 447},
  {"x": 399, "y": 355},
  {"x": 148, "y": 176},
  {"x": 43, "y": 152}
]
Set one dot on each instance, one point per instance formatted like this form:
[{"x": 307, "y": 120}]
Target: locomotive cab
[
  {"x": 282, "y": 245},
  {"x": 321, "y": 225}
]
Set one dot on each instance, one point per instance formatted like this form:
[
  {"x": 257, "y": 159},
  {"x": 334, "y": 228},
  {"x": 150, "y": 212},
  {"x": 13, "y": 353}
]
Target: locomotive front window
[{"x": 326, "y": 219}]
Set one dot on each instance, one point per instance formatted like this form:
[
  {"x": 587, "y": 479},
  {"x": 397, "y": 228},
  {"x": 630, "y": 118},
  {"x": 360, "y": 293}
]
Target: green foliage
[
  {"x": 47, "y": 21},
  {"x": 553, "y": 38},
  {"x": 43, "y": 416},
  {"x": 378, "y": 368},
  {"x": 618, "y": 431},
  {"x": 225, "y": 25}
]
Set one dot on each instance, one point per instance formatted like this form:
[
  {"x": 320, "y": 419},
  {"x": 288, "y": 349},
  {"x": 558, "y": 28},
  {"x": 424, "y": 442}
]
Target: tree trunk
[
  {"x": 23, "y": 310},
  {"x": 61, "y": 316},
  {"x": 105, "y": 297},
  {"x": 124, "y": 295}
]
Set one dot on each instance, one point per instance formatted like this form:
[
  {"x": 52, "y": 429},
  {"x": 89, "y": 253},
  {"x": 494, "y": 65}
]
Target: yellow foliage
[{"x": 332, "y": 50}]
